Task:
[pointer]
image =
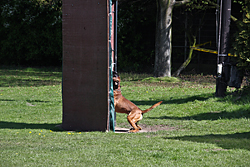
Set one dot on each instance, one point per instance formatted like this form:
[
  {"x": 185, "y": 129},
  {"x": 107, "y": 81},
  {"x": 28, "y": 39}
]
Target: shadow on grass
[
  {"x": 228, "y": 141},
  {"x": 241, "y": 113},
  {"x": 39, "y": 101},
  {"x": 31, "y": 101},
  {"x": 15, "y": 125},
  {"x": 26, "y": 77},
  {"x": 181, "y": 100},
  {"x": 26, "y": 82},
  {"x": 7, "y": 100}
]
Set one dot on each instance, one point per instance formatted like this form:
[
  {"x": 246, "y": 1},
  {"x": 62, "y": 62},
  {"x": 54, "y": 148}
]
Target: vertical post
[
  {"x": 115, "y": 32},
  {"x": 114, "y": 40},
  {"x": 85, "y": 65},
  {"x": 223, "y": 65},
  {"x": 113, "y": 6},
  {"x": 111, "y": 60},
  {"x": 185, "y": 49}
]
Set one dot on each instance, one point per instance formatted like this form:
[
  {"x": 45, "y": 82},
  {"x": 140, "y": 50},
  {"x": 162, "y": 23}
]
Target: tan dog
[{"x": 123, "y": 105}]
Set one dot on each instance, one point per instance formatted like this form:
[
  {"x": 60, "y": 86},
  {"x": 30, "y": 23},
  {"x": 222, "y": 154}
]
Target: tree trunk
[{"x": 163, "y": 46}]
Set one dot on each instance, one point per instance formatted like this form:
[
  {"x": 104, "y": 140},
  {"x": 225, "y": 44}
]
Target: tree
[
  {"x": 136, "y": 35},
  {"x": 31, "y": 32},
  {"x": 242, "y": 38},
  {"x": 197, "y": 8},
  {"x": 136, "y": 20},
  {"x": 163, "y": 46}
]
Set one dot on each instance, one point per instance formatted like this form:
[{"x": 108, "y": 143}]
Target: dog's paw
[
  {"x": 139, "y": 127},
  {"x": 133, "y": 131}
]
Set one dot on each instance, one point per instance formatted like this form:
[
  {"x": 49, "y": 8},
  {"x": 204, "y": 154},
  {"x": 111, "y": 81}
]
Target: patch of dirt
[
  {"x": 147, "y": 128},
  {"x": 209, "y": 79},
  {"x": 198, "y": 78}
]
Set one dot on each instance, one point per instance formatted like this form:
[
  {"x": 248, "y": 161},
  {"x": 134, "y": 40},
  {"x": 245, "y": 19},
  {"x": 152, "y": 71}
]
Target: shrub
[
  {"x": 241, "y": 44},
  {"x": 30, "y": 32},
  {"x": 136, "y": 35}
]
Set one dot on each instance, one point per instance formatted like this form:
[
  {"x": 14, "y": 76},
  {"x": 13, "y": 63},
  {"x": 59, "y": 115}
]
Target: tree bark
[
  {"x": 163, "y": 44},
  {"x": 162, "y": 66}
]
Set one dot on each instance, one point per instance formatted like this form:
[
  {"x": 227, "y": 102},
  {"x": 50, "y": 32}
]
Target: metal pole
[
  {"x": 115, "y": 42},
  {"x": 116, "y": 21},
  {"x": 185, "y": 49},
  {"x": 223, "y": 65},
  {"x": 217, "y": 13}
]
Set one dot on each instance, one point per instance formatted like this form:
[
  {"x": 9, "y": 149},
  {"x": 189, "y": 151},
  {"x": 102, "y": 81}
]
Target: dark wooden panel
[{"x": 85, "y": 65}]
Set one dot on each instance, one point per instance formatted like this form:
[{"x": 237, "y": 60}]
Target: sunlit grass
[
  {"x": 201, "y": 130},
  {"x": 29, "y": 77}
]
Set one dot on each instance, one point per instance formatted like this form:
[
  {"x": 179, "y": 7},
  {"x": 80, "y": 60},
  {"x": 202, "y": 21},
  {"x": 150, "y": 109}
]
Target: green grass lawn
[{"x": 197, "y": 129}]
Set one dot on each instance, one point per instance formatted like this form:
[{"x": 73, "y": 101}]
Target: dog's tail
[{"x": 153, "y": 106}]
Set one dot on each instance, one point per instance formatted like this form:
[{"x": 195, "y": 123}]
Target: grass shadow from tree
[
  {"x": 18, "y": 125},
  {"x": 226, "y": 141}
]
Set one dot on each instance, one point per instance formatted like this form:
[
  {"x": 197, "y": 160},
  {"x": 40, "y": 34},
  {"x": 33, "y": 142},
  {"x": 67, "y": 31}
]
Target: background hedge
[{"x": 30, "y": 32}]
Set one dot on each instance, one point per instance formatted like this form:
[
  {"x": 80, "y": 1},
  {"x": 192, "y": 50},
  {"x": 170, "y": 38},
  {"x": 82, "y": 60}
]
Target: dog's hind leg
[
  {"x": 132, "y": 121},
  {"x": 138, "y": 126}
]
